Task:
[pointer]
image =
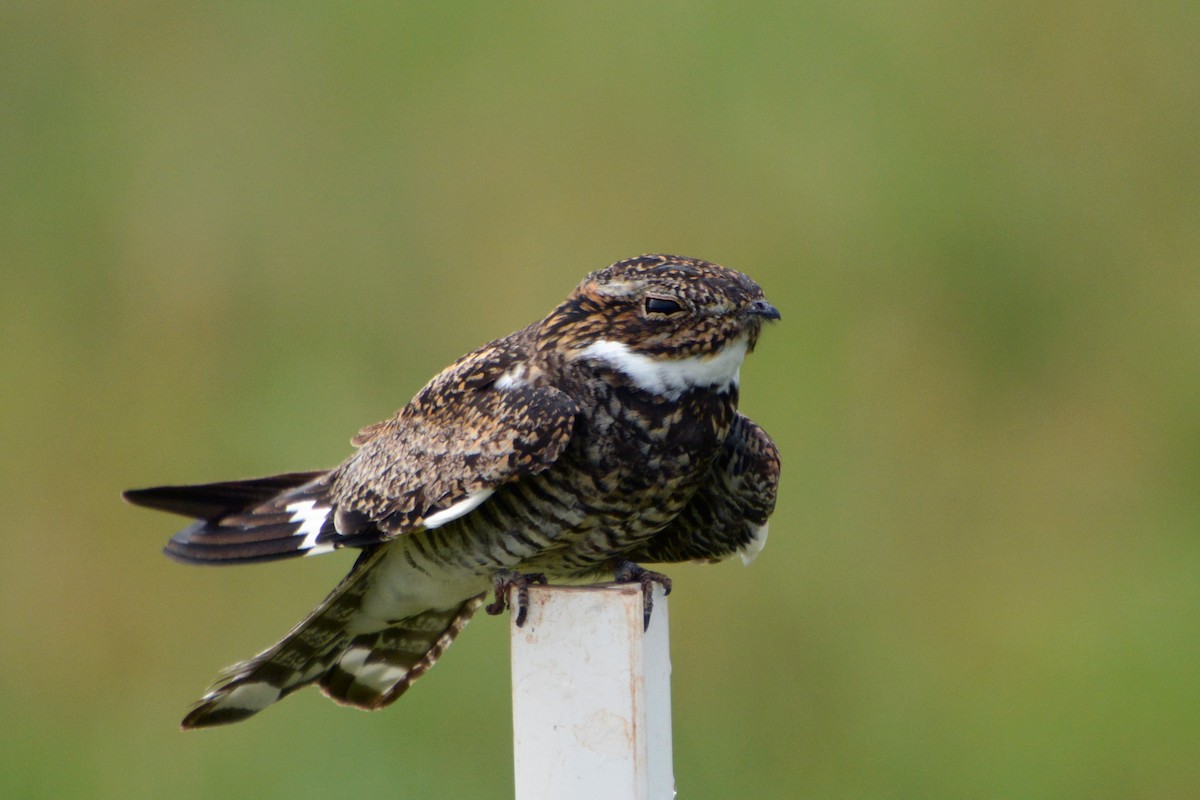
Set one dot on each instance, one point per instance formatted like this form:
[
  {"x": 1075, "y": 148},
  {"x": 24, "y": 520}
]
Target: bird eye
[{"x": 661, "y": 305}]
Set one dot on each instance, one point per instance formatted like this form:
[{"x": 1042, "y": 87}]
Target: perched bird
[{"x": 604, "y": 436}]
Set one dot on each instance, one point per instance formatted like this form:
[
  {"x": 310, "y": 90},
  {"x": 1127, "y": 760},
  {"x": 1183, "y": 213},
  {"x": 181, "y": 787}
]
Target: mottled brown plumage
[{"x": 603, "y": 435}]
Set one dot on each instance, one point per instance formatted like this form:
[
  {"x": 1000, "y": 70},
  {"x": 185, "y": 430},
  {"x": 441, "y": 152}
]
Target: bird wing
[
  {"x": 216, "y": 500},
  {"x": 477, "y": 425},
  {"x": 260, "y": 519},
  {"x": 728, "y": 513}
]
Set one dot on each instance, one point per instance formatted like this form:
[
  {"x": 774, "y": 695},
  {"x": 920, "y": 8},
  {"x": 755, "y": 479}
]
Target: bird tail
[
  {"x": 253, "y": 520},
  {"x": 367, "y": 670}
]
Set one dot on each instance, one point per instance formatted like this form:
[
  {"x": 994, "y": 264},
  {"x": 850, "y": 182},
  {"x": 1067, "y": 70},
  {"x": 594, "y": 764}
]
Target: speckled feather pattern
[{"x": 456, "y": 436}]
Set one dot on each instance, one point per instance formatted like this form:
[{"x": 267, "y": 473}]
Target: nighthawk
[{"x": 597, "y": 439}]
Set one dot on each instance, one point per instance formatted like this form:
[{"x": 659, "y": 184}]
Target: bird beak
[{"x": 761, "y": 308}]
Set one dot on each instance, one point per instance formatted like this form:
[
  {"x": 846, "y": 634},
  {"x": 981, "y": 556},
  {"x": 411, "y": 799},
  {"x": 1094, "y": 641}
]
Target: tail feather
[
  {"x": 367, "y": 670},
  {"x": 376, "y": 668}
]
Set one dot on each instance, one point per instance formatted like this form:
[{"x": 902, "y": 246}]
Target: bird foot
[
  {"x": 504, "y": 582},
  {"x": 629, "y": 572}
]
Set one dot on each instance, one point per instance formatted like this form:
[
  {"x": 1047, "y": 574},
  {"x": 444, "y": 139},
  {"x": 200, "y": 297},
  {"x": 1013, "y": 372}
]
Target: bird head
[{"x": 668, "y": 323}]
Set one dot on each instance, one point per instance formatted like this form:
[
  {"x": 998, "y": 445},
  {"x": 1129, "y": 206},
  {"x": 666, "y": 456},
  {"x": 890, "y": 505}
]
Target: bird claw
[
  {"x": 505, "y": 581},
  {"x": 629, "y": 572}
]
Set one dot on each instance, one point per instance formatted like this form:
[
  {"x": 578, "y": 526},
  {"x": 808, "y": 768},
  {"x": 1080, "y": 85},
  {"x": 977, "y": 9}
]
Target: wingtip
[
  {"x": 212, "y": 500},
  {"x": 134, "y": 496}
]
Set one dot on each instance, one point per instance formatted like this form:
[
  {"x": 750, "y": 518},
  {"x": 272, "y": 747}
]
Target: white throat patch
[{"x": 671, "y": 377}]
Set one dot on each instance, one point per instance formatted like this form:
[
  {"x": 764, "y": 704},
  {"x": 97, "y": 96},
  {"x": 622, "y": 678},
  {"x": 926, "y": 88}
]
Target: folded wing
[
  {"x": 472, "y": 428},
  {"x": 728, "y": 514}
]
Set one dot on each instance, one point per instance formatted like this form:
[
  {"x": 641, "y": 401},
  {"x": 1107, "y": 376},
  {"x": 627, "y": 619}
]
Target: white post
[{"x": 592, "y": 696}]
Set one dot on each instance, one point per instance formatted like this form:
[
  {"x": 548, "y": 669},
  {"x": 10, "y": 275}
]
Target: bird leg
[
  {"x": 628, "y": 572},
  {"x": 505, "y": 581}
]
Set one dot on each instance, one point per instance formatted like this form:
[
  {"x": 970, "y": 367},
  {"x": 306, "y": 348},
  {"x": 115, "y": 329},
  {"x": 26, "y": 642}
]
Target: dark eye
[{"x": 661, "y": 305}]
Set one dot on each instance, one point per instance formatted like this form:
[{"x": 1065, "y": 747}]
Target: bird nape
[{"x": 585, "y": 444}]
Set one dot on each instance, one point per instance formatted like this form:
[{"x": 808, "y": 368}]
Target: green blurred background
[{"x": 232, "y": 234}]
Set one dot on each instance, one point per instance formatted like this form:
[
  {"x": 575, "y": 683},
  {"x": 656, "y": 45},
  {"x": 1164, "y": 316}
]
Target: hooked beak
[{"x": 761, "y": 308}]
